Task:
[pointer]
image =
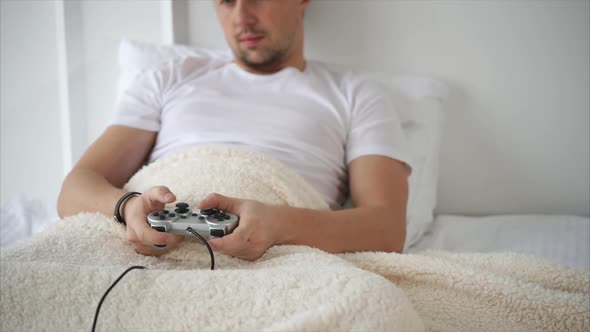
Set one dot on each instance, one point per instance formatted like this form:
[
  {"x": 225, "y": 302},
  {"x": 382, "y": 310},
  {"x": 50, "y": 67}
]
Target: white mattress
[{"x": 558, "y": 238}]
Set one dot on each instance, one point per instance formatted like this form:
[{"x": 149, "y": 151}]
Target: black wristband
[{"x": 117, "y": 214}]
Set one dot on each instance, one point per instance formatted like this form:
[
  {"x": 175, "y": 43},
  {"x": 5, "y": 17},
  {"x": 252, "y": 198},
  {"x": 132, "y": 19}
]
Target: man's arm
[
  {"x": 94, "y": 183},
  {"x": 379, "y": 191}
]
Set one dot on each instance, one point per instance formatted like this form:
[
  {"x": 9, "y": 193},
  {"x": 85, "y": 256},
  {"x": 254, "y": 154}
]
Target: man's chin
[
  {"x": 258, "y": 60},
  {"x": 257, "y": 63},
  {"x": 253, "y": 57}
]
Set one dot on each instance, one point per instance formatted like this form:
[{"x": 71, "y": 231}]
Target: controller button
[
  {"x": 209, "y": 212},
  {"x": 155, "y": 214},
  {"x": 165, "y": 211},
  {"x": 162, "y": 217},
  {"x": 217, "y": 232},
  {"x": 171, "y": 215},
  {"x": 183, "y": 217},
  {"x": 159, "y": 228},
  {"x": 227, "y": 217},
  {"x": 195, "y": 215},
  {"x": 182, "y": 205},
  {"x": 201, "y": 218}
]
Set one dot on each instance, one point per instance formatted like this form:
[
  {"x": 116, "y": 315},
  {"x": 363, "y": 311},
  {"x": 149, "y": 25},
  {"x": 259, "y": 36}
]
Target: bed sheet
[
  {"x": 22, "y": 216},
  {"x": 563, "y": 239}
]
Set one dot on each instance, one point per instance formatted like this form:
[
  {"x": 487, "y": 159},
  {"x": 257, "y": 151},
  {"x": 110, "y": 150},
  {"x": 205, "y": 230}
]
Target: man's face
[{"x": 263, "y": 34}]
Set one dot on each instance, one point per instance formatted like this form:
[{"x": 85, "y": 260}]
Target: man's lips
[{"x": 250, "y": 41}]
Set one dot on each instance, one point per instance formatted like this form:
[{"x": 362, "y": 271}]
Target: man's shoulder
[
  {"x": 350, "y": 81},
  {"x": 327, "y": 70},
  {"x": 183, "y": 67},
  {"x": 177, "y": 71},
  {"x": 343, "y": 75}
]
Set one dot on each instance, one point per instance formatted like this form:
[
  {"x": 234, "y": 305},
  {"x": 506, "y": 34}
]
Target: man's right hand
[{"x": 143, "y": 238}]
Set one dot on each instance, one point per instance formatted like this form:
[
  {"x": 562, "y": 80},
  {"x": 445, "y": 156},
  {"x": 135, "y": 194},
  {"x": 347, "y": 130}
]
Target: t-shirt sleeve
[
  {"x": 140, "y": 104},
  {"x": 375, "y": 126}
]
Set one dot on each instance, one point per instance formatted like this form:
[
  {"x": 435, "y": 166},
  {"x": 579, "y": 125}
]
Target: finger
[
  {"x": 239, "y": 244},
  {"x": 216, "y": 244},
  {"x": 234, "y": 244},
  {"x": 158, "y": 196},
  {"x": 148, "y": 235},
  {"x": 225, "y": 203},
  {"x": 148, "y": 250},
  {"x": 173, "y": 245},
  {"x": 157, "y": 245}
]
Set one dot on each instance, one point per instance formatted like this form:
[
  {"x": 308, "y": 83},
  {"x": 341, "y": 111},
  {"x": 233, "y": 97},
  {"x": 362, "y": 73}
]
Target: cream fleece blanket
[{"x": 53, "y": 282}]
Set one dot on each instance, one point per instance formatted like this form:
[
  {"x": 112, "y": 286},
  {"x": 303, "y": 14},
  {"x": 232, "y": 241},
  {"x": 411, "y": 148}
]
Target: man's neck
[{"x": 298, "y": 64}]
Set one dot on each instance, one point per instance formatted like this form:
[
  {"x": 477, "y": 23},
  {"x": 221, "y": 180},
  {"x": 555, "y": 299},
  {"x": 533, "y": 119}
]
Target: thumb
[
  {"x": 160, "y": 194},
  {"x": 218, "y": 201}
]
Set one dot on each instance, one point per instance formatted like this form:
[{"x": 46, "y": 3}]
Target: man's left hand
[{"x": 256, "y": 230}]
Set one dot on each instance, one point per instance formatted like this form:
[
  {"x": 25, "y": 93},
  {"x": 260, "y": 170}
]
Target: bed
[
  {"x": 502, "y": 272},
  {"x": 563, "y": 239}
]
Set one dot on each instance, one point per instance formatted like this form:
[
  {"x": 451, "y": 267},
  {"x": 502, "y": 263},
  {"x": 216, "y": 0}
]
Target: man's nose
[{"x": 244, "y": 13}]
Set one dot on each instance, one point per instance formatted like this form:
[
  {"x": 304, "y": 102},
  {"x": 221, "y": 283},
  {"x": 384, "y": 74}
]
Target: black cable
[
  {"x": 108, "y": 290},
  {"x": 192, "y": 231}
]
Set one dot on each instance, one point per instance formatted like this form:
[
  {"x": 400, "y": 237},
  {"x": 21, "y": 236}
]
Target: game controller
[{"x": 208, "y": 222}]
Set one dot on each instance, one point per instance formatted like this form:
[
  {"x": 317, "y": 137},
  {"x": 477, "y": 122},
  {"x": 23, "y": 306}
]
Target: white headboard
[{"x": 517, "y": 129}]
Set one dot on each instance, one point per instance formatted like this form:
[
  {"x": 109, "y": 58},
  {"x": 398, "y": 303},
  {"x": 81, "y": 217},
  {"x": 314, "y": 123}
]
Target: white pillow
[
  {"x": 418, "y": 99},
  {"x": 136, "y": 56}
]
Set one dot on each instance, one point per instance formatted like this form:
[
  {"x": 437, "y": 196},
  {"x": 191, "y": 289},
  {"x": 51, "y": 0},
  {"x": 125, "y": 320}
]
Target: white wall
[
  {"x": 517, "y": 135},
  {"x": 104, "y": 23},
  {"x": 59, "y": 79},
  {"x": 31, "y": 156},
  {"x": 517, "y": 129}
]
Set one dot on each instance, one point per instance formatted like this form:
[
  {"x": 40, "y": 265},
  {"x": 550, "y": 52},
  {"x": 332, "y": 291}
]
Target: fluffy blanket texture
[{"x": 53, "y": 281}]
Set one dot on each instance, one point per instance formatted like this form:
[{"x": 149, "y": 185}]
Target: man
[{"x": 339, "y": 133}]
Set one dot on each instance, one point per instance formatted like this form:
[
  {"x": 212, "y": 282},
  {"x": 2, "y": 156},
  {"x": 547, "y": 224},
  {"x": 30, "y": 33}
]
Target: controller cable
[{"x": 190, "y": 230}]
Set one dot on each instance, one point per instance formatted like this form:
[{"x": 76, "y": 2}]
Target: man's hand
[
  {"x": 143, "y": 238},
  {"x": 377, "y": 222},
  {"x": 256, "y": 232}
]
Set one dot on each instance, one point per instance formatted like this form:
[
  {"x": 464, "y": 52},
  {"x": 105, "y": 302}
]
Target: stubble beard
[
  {"x": 264, "y": 59},
  {"x": 270, "y": 58}
]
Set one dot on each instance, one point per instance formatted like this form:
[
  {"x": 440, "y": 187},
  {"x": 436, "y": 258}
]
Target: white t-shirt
[{"x": 315, "y": 122}]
